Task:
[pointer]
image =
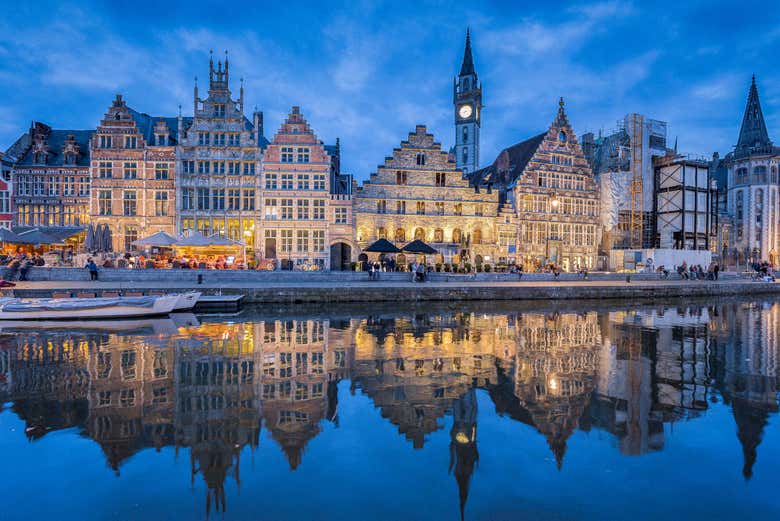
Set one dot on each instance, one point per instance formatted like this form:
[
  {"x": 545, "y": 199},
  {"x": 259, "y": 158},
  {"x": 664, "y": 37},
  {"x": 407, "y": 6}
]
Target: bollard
[{"x": 200, "y": 278}]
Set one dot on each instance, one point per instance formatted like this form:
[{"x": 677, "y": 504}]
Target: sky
[{"x": 367, "y": 72}]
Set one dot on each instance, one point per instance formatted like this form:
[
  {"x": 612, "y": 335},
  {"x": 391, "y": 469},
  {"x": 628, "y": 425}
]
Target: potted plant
[{"x": 487, "y": 268}]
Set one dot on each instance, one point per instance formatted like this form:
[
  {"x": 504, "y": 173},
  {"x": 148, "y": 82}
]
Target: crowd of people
[{"x": 695, "y": 272}]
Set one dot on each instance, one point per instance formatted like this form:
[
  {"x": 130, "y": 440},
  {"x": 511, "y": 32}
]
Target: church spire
[
  {"x": 753, "y": 133},
  {"x": 468, "y": 60}
]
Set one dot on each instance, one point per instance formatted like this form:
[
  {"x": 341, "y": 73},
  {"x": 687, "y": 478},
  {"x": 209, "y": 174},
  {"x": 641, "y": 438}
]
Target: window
[
  {"x": 203, "y": 139},
  {"x": 441, "y": 179},
  {"x": 187, "y": 199},
  {"x": 303, "y": 209},
  {"x": 188, "y": 167},
  {"x": 400, "y": 178},
  {"x": 131, "y": 235},
  {"x": 303, "y": 155},
  {"x": 438, "y": 235},
  {"x": 219, "y": 139},
  {"x": 218, "y": 199},
  {"x": 420, "y": 159},
  {"x": 234, "y": 167},
  {"x": 420, "y": 207},
  {"x": 439, "y": 209},
  {"x": 271, "y": 210},
  {"x": 381, "y": 206},
  {"x": 129, "y": 202},
  {"x": 465, "y": 134},
  {"x": 219, "y": 110},
  {"x": 287, "y": 241},
  {"x": 419, "y": 234},
  {"x": 249, "y": 169},
  {"x": 104, "y": 170},
  {"x": 476, "y": 237},
  {"x": 319, "y": 209},
  {"x": 234, "y": 199},
  {"x": 162, "y": 140},
  {"x": 381, "y": 233},
  {"x": 340, "y": 216},
  {"x": 457, "y": 236},
  {"x": 131, "y": 142},
  {"x": 234, "y": 139},
  {"x": 104, "y": 202},
  {"x": 287, "y": 181},
  {"x": 303, "y": 241},
  {"x": 271, "y": 181},
  {"x": 105, "y": 141},
  {"x": 161, "y": 204},
  {"x": 303, "y": 181},
  {"x": 400, "y": 207},
  {"x": 562, "y": 136},
  {"x": 161, "y": 171},
  {"x": 287, "y": 155},
  {"x": 287, "y": 209},
  {"x": 131, "y": 171},
  {"x": 458, "y": 209},
  {"x": 249, "y": 200},
  {"x": 219, "y": 167},
  {"x": 478, "y": 209},
  {"x": 464, "y": 154},
  {"x": 203, "y": 198},
  {"x": 319, "y": 182},
  {"x": 400, "y": 235},
  {"x": 318, "y": 241}
]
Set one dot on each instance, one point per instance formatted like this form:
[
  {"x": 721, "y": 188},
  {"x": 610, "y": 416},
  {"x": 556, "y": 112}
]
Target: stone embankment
[{"x": 296, "y": 287}]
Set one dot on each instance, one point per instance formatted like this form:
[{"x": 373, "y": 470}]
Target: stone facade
[
  {"x": 419, "y": 193},
  {"x": 51, "y": 178},
  {"x": 753, "y": 189},
  {"x": 6, "y": 190},
  {"x": 300, "y": 219},
  {"x": 132, "y": 168},
  {"x": 550, "y": 200},
  {"x": 218, "y": 164}
]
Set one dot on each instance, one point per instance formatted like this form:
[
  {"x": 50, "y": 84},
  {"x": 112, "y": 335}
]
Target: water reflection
[{"x": 210, "y": 388}]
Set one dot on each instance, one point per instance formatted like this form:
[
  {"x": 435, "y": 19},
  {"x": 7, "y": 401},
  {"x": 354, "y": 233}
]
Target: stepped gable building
[
  {"x": 218, "y": 164},
  {"x": 549, "y": 200},
  {"x": 306, "y": 201},
  {"x": 132, "y": 171},
  {"x": 51, "y": 178},
  {"x": 752, "y": 187},
  {"x": 419, "y": 193},
  {"x": 467, "y": 99}
]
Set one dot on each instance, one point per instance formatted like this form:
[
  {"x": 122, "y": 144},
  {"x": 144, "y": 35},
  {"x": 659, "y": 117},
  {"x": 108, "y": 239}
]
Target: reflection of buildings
[{"x": 209, "y": 388}]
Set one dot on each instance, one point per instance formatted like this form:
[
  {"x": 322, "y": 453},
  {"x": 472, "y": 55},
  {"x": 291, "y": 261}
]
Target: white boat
[
  {"x": 85, "y": 308},
  {"x": 186, "y": 301}
]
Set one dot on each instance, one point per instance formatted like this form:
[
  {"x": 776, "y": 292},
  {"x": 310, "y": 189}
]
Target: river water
[{"x": 574, "y": 411}]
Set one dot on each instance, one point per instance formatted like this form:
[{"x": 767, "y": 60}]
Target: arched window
[
  {"x": 562, "y": 136},
  {"x": 419, "y": 234},
  {"x": 400, "y": 235},
  {"x": 476, "y": 236},
  {"x": 465, "y": 134},
  {"x": 457, "y": 236},
  {"x": 438, "y": 235},
  {"x": 466, "y": 84},
  {"x": 381, "y": 232},
  {"x": 117, "y": 116}
]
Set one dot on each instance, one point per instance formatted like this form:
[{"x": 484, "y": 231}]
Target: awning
[
  {"x": 160, "y": 239},
  {"x": 36, "y": 236},
  {"x": 418, "y": 246},
  {"x": 382, "y": 246},
  {"x": 7, "y": 235},
  {"x": 198, "y": 240}
]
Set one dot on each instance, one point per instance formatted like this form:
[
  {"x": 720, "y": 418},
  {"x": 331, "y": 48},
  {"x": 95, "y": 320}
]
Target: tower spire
[
  {"x": 468, "y": 60},
  {"x": 753, "y": 132}
]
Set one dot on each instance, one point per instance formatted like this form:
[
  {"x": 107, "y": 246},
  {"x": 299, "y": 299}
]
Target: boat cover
[{"x": 74, "y": 304}]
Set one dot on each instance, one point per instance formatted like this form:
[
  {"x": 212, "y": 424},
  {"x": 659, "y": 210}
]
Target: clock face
[{"x": 464, "y": 111}]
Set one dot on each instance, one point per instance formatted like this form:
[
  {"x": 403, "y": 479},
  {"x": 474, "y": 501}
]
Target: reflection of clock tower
[{"x": 467, "y": 97}]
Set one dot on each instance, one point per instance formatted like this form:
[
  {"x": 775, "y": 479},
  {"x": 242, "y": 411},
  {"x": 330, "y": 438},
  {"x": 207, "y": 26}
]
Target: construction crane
[{"x": 636, "y": 217}]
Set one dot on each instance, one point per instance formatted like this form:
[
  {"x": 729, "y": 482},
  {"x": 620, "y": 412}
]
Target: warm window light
[
  {"x": 553, "y": 384},
  {"x": 555, "y": 202}
]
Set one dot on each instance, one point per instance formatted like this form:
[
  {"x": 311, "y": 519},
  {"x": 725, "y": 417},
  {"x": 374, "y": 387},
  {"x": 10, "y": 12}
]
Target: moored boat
[
  {"x": 85, "y": 308},
  {"x": 186, "y": 301}
]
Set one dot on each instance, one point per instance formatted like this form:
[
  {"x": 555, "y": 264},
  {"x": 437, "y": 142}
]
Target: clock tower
[{"x": 467, "y": 98}]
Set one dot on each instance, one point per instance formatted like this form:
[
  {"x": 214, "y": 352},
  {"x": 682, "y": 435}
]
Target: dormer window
[
  {"x": 219, "y": 110},
  {"x": 40, "y": 157},
  {"x": 162, "y": 140},
  {"x": 70, "y": 158}
]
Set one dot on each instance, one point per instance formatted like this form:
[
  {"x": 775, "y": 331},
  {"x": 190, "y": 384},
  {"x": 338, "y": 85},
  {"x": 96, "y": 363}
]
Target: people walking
[{"x": 93, "y": 269}]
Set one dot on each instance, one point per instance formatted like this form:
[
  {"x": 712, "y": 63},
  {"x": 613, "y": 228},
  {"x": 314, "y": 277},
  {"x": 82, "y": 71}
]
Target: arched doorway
[
  {"x": 400, "y": 235},
  {"x": 457, "y": 236},
  {"x": 340, "y": 256}
]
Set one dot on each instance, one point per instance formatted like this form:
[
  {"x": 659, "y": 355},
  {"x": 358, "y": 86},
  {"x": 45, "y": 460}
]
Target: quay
[{"x": 343, "y": 287}]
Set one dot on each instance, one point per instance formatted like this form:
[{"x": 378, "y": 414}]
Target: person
[
  {"x": 663, "y": 271},
  {"x": 24, "y": 269},
  {"x": 371, "y": 271},
  {"x": 519, "y": 270},
  {"x": 716, "y": 270},
  {"x": 93, "y": 269},
  {"x": 421, "y": 272},
  {"x": 414, "y": 271}
]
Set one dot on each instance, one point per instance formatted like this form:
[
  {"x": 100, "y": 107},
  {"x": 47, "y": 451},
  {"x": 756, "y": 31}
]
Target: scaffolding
[{"x": 637, "y": 192}]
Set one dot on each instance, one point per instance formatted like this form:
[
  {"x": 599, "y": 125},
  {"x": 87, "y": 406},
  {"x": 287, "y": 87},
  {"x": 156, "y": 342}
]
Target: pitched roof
[
  {"x": 753, "y": 132},
  {"x": 517, "y": 155},
  {"x": 55, "y": 140},
  {"x": 468, "y": 60},
  {"x": 146, "y": 123}
]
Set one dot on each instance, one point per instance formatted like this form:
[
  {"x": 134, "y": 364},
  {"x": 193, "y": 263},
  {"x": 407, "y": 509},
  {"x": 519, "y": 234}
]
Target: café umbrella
[
  {"x": 382, "y": 246},
  {"x": 418, "y": 246},
  {"x": 159, "y": 240}
]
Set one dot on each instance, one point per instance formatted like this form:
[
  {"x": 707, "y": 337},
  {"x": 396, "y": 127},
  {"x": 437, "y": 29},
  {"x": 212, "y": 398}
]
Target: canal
[{"x": 500, "y": 411}]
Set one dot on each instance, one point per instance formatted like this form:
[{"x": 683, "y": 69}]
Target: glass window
[
  {"x": 129, "y": 203},
  {"x": 161, "y": 204}
]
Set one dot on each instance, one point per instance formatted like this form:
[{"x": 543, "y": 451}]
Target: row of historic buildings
[{"x": 552, "y": 198}]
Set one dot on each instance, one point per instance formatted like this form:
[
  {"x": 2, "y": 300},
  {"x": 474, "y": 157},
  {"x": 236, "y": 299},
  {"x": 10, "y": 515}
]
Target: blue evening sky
[{"x": 368, "y": 71}]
